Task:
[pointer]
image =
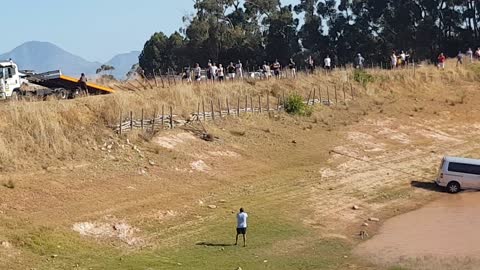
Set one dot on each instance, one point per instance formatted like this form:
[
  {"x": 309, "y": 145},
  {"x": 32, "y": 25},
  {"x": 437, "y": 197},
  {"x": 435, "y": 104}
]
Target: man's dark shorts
[{"x": 242, "y": 231}]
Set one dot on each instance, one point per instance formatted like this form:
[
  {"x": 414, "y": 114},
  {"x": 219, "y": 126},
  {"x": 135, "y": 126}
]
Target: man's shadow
[{"x": 214, "y": 244}]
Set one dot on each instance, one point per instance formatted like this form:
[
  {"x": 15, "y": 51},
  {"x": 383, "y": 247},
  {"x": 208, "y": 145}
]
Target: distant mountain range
[{"x": 45, "y": 56}]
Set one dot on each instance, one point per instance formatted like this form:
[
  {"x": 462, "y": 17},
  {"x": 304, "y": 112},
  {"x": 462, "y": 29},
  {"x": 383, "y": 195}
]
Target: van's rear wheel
[{"x": 453, "y": 187}]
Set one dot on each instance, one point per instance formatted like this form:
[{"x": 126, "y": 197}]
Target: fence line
[{"x": 170, "y": 120}]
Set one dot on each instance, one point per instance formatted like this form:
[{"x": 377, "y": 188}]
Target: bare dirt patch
[
  {"x": 118, "y": 230},
  {"x": 441, "y": 235}
]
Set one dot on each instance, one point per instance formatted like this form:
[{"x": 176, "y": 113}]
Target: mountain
[
  {"x": 123, "y": 63},
  {"x": 45, "y": 56}
]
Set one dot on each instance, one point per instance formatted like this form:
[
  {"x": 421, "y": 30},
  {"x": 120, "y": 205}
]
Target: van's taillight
[{"x": 441, "y": 176}]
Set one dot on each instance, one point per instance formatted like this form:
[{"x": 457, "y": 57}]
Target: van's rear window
[{"x": 464, "y": 168}]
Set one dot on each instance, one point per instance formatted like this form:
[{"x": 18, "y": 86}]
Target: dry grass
[{"x": 41, "y": 133}]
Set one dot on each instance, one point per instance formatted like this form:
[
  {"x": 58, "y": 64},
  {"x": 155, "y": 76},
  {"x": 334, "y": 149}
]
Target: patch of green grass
[
  {"x": 273, "y": 243},
  {"x": 296, "y": 106},
  {"x": 363, "y": 77}
]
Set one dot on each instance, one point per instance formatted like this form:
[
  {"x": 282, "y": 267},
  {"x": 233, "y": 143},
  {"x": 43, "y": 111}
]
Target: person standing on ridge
[
  {"x": 242, "y": 226},
  {"x": 239, "y": 69},
  {"x": 470, "y": 54},
  {"x": 327, "y": 63},
  {"x": 231, "y": 71},
  {"x": 293, "y": 68},
  {"x": 393, "y": 60},
  {"x": 83, "y": 83},
  {"x": 276, "y": 69},
  {"x": 459, "y": 58},
  {"x": 359, "y": 60},
  {"x": 441, "y": 61}
]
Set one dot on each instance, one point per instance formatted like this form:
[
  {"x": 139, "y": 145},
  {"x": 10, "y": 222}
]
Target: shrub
[
  {"x": 362, "y": 77},
  {"x": 295, "y": 105}
]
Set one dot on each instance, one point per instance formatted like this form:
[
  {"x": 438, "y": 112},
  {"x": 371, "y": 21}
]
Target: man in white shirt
[
  {"x": 242, "y": 226},
  {"x": 327, "y": 62}
]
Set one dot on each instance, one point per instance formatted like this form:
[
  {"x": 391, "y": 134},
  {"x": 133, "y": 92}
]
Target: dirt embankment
[{"x": 74, "y": 179}]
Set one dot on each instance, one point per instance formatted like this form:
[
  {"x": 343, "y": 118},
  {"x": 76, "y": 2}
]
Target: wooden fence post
[
  {"x": 238, "y": 107},
  {"x": 336, "y": 99},
  {"x": 142, "y": 119},
  {"x": 120, "y": 125},
  {"x": 344, "y": 95},
  {"x": 211, "y": 107},
  {"x": 246, "y": 104},
  {"x": 351, "y": 89},
  {"x": 171, "y": 117},
  {"x": 314, "y": 94},
  {"x": 220, "y": 108},
  {"x": 268, "y": 103},
  {"x": 320, "y": 94},
  {"x": 155, "y": 78},
  {"x": 204, "y": 113},
  {"x": 153, "y": 121},
  {"x": 259, "y": 104},
  {"x": 198, "y": 111},
  {"x": 328, "y": 95},
  {"x": 228, "y": 107},
  {"x": 163, "y": 116},
  {"x": 278, "y": 103},
  {"x": 251, "y": 104},
  {"x": 131, "y": 120},
  {"x": 161, "y": 78},
  {"x": 309, "y": 96}
]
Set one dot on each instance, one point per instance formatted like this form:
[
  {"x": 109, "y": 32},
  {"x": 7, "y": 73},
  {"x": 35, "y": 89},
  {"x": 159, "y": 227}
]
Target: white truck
[{"x": 52, "y": 83}]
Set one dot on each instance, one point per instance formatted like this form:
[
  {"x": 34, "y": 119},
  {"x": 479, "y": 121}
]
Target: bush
[
  {"x": 362, "y": 77},
  {"x": 295, "y": 105}
]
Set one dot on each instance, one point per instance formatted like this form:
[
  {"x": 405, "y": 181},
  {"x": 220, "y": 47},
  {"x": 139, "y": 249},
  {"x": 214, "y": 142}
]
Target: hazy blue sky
[{"x": 93, "y": 29}]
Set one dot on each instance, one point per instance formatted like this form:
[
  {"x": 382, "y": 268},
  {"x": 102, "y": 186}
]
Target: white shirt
[
  {"x": 403, "y": 56},
  {"x": 242, "y": 220},
  {"x": 214, "y": 69},
  {"x": 328, "y": 62}
]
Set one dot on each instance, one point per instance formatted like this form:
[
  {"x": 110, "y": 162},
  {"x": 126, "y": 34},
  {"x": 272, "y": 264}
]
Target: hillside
[
  {"x": 123, "y": 63},
  {"x": 77, "y": 195},
  {"x": 45, "y": 56}
]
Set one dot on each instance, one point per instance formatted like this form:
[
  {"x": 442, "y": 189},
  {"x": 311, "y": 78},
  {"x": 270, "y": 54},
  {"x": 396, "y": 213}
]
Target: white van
[{"x": 459, "y": 173}]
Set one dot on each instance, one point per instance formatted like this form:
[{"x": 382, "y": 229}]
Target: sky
[{"x": 94, "y": 29}]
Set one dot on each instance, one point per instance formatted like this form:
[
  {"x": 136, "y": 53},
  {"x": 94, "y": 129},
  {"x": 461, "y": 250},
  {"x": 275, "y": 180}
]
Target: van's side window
[{"x": 464, "y": 168}]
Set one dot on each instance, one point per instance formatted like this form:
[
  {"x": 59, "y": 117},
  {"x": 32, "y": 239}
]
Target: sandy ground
[
  {"x": 160, "y": 192},
  {"x": 441, "y": 235}
]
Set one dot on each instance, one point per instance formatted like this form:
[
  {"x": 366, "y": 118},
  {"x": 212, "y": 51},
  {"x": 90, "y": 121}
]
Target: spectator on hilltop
[
  {"x": 359, "y": 61},
  {"x": 221, "y": 73},
  {"x": 310, "y": 64},
  {"x": 214, "y": 69},
  {"x": 470, "y": 55},
  {"x": 239, "y": 69},
  {"x": 266, "y": 70},
  {"x": 393, "y": 60},
  {"x": 197, "y": 71},
  {"x": 441, "y": 61},
  {"x": 231, "y": 71},
  {"x": 459, "y": 58},
  {"x": 276, "y": 69},
  {"x": 293, "y": 68},
  {"x": 327, "y": 63}
]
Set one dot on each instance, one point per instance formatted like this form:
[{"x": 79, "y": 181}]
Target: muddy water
[{"x": 442, "y": 235}]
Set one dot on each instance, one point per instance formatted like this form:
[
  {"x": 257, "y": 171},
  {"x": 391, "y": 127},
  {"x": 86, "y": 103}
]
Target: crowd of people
[{"x": 218, "y": 72}]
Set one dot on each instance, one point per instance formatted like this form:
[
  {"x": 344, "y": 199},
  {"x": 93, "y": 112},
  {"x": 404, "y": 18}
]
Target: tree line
[{"x": 255, "y": 31}]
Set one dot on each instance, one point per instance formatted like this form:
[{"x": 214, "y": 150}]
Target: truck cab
[{"x": 10, "y": 80}]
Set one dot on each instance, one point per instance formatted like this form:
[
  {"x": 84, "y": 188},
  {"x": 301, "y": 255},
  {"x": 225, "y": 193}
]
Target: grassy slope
[{"x": 273, "y": 181}]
